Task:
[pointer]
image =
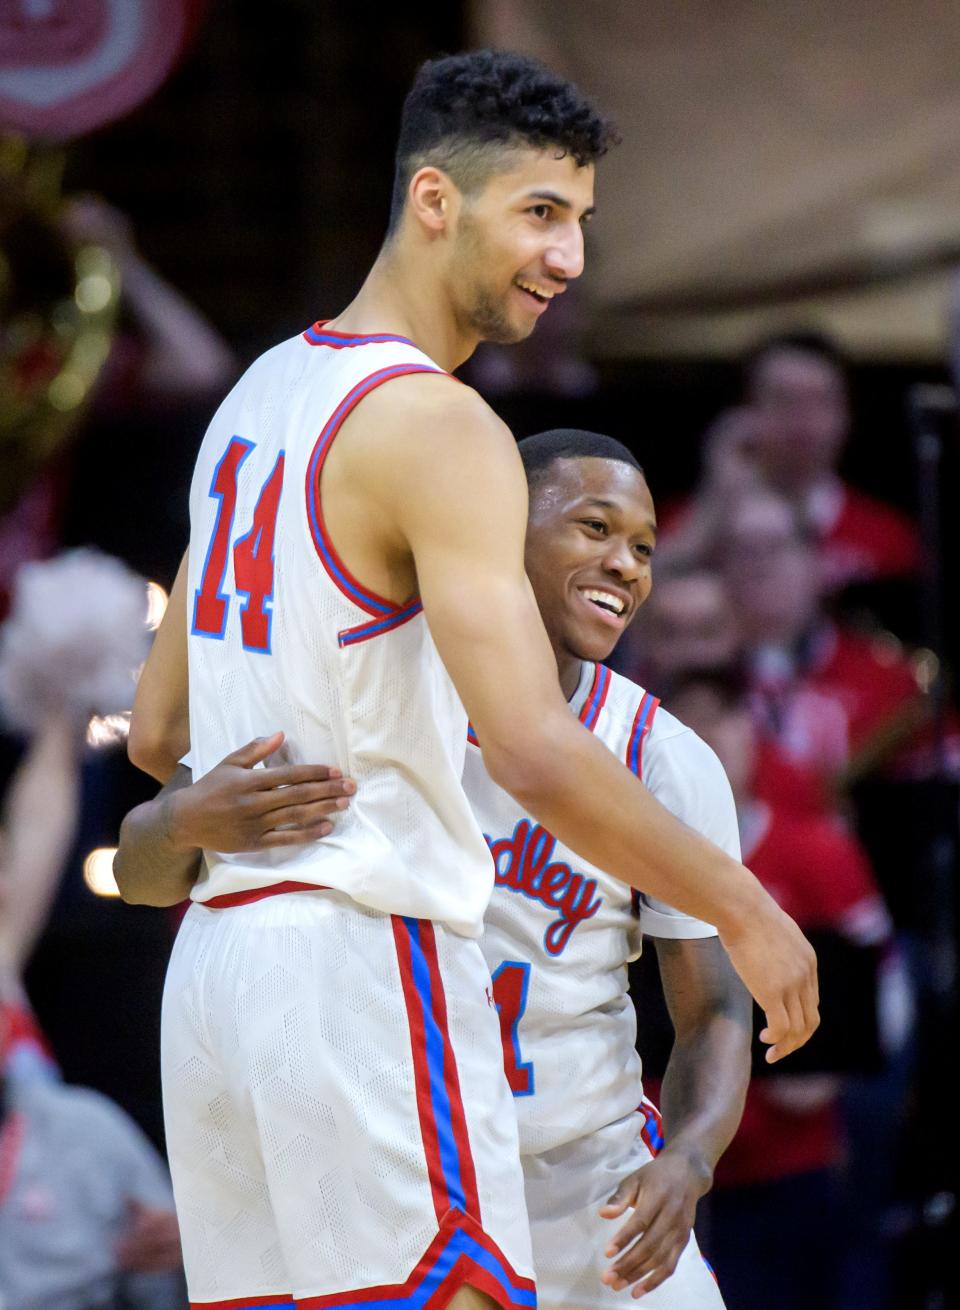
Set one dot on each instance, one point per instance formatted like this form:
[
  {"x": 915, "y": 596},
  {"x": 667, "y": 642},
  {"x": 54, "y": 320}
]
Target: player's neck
[
  {"x": 400, "y": 296},
  {"x": 570, "y": 668}
]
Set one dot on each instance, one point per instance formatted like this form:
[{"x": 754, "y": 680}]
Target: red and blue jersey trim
[
  {"x": 338, "y": 571},
  {"x": 652, "y": 1129},
  {"x": 318, "y": 334},
  {"x": 461, "y": 1253},
  {"x": 642, "y": 723},
  {"x": 443, "y": 1124},
  {"x": 596, "y": 696},
  {"x": 364, "y": 631}
]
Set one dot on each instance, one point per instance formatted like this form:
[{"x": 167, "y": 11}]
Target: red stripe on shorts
[
  {"x": 468, "y": 1175},
  {"x": 245, "y": 1302},
  {"x": 464, "y": 1270},
  {"x": 421, "y": 1069}
]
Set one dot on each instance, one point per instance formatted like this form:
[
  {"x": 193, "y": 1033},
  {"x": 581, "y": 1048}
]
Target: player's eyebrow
[
  {"x": 560, "y": 201},
  {"x": 599, "y": 503}
]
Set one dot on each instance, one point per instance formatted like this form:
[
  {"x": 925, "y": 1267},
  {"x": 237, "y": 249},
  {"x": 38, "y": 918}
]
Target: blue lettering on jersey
[{"x": 522, "y": 864}]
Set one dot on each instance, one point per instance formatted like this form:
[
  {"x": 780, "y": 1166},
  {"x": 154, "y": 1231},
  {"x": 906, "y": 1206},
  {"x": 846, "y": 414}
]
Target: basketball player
[
  {"x": 558, "y": 932},
  {"x": 335, "y": 1115}
]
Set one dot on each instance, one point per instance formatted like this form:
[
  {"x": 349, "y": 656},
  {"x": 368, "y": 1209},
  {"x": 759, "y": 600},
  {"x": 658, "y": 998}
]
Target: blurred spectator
[
  {"x": 69, "y": 650},
  {"x": 777, "y": 1212},
  {"x": 165, "y": 356},
  {"x": 28, "y": 531},
  {"x": 166, "y": 350},
  {"x": 839, "y": 701},
  {"x": 688, "y": 624},
  {"x": 37, "y": 824},
  {"x": 789, "y": 436},
  {"x": 86, "y": 1212}
]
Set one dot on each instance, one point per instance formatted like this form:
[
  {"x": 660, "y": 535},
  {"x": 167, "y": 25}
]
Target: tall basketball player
[
  {"x": 558, "y": 932},
  {"x": 335, "y": 1111}
]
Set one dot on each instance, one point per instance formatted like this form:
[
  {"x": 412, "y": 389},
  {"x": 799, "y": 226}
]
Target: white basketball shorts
[
  {"x": 339, "y": 1127},
  {"x": 565, "y": 1188}
]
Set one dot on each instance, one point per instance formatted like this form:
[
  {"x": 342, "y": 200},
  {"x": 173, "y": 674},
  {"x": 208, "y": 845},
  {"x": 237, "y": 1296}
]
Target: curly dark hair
[{"x": 464, "y": 110}]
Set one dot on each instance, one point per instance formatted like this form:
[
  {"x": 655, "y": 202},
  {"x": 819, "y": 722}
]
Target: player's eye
[
  {"x": 597, "y": 525},
  {"x": 643, "y": 549},
  {"x": 540, "y": 211}
]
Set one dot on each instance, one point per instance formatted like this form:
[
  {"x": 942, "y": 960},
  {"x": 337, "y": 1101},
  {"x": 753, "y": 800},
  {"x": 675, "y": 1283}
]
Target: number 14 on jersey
[{"x": 252, "y": 555}]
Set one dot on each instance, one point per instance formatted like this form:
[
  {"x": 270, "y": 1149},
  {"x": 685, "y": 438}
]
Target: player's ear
[{"x": 433, "y": 198}]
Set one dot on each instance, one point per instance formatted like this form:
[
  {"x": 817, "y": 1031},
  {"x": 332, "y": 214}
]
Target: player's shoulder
[
  {"x": 428, "y": 438},
  {"x": 667, "y": 742},
  {"x": 626, "y": 700},
  {"x": 278, "y": 357},
  {"x": 433, "y": 403}
]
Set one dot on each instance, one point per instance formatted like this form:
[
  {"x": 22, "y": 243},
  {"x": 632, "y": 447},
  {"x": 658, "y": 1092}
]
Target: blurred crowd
[
  {"x": 86, "y": 1209},
  {"x": 815, "y": 707}
]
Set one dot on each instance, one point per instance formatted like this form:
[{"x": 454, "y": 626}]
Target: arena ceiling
[{"x": 796, "y": 162}]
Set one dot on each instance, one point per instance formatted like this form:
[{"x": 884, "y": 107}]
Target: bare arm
[
  {"x": 451, "y": 480},
  {"x": 160, "y": 723},
  {"x": 185, "y": 354},
  {"x": 234, "y": 807},
  {"x": 705, "y": 1083},
  {"x": 151, "y": 867},
  {"x": 39, "y": 822},
  {"x": 703, "y": 1095}
]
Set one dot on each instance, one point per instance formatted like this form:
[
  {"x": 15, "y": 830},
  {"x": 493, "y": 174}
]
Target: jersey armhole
[{"x": 340, "y": 575}]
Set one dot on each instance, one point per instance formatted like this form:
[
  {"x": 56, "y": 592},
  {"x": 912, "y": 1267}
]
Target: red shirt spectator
[
  {"x": 787, "y": 785},
  {"x": 859, "y": 538},
  {"x": 874, "y": 683},
  {"x": 788, "y": 437},
  {"x": 820, "y": 876}
]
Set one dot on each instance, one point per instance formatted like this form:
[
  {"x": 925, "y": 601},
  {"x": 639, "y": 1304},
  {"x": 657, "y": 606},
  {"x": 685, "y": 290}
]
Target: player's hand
[
  {"x": 150, "y": 1243},
  {"x": 779, "y": 968},
  {"x": 236, "y": 807},
  {"x": 663, "y": 1196}
]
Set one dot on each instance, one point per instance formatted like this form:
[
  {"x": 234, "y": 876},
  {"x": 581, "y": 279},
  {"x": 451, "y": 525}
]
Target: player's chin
[
  {"x": 510, "y": 332},
  {"x": 590, "y": 642}
]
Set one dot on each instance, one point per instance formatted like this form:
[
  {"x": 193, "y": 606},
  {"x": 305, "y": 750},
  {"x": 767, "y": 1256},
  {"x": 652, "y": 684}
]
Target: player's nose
[
  {"x": 565, "y": 256},
  {"x": 621, "y": 560}
]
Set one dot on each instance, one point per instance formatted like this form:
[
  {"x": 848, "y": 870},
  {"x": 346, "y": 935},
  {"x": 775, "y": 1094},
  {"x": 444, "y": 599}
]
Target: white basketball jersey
[
  {"x": 282, "y": 636},
  {"x": 558, "y": 932}
]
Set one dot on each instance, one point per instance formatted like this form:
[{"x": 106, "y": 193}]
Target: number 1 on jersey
[
  {"x": 510, "y": 983},
  {"x": 252, "y": 555}
]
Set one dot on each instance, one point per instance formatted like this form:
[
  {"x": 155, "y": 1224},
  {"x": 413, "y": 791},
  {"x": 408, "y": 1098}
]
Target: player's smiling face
[
  {"x": 590, "y": 540},
  {"x": 518, "y": 243}
]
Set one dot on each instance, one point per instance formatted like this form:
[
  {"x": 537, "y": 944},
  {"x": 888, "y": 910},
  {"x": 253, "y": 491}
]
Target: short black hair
[
  {"x": 540, "y": 451},
  {"x": 804, "y": 341},
  {"x": 461, "y": 106}
]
